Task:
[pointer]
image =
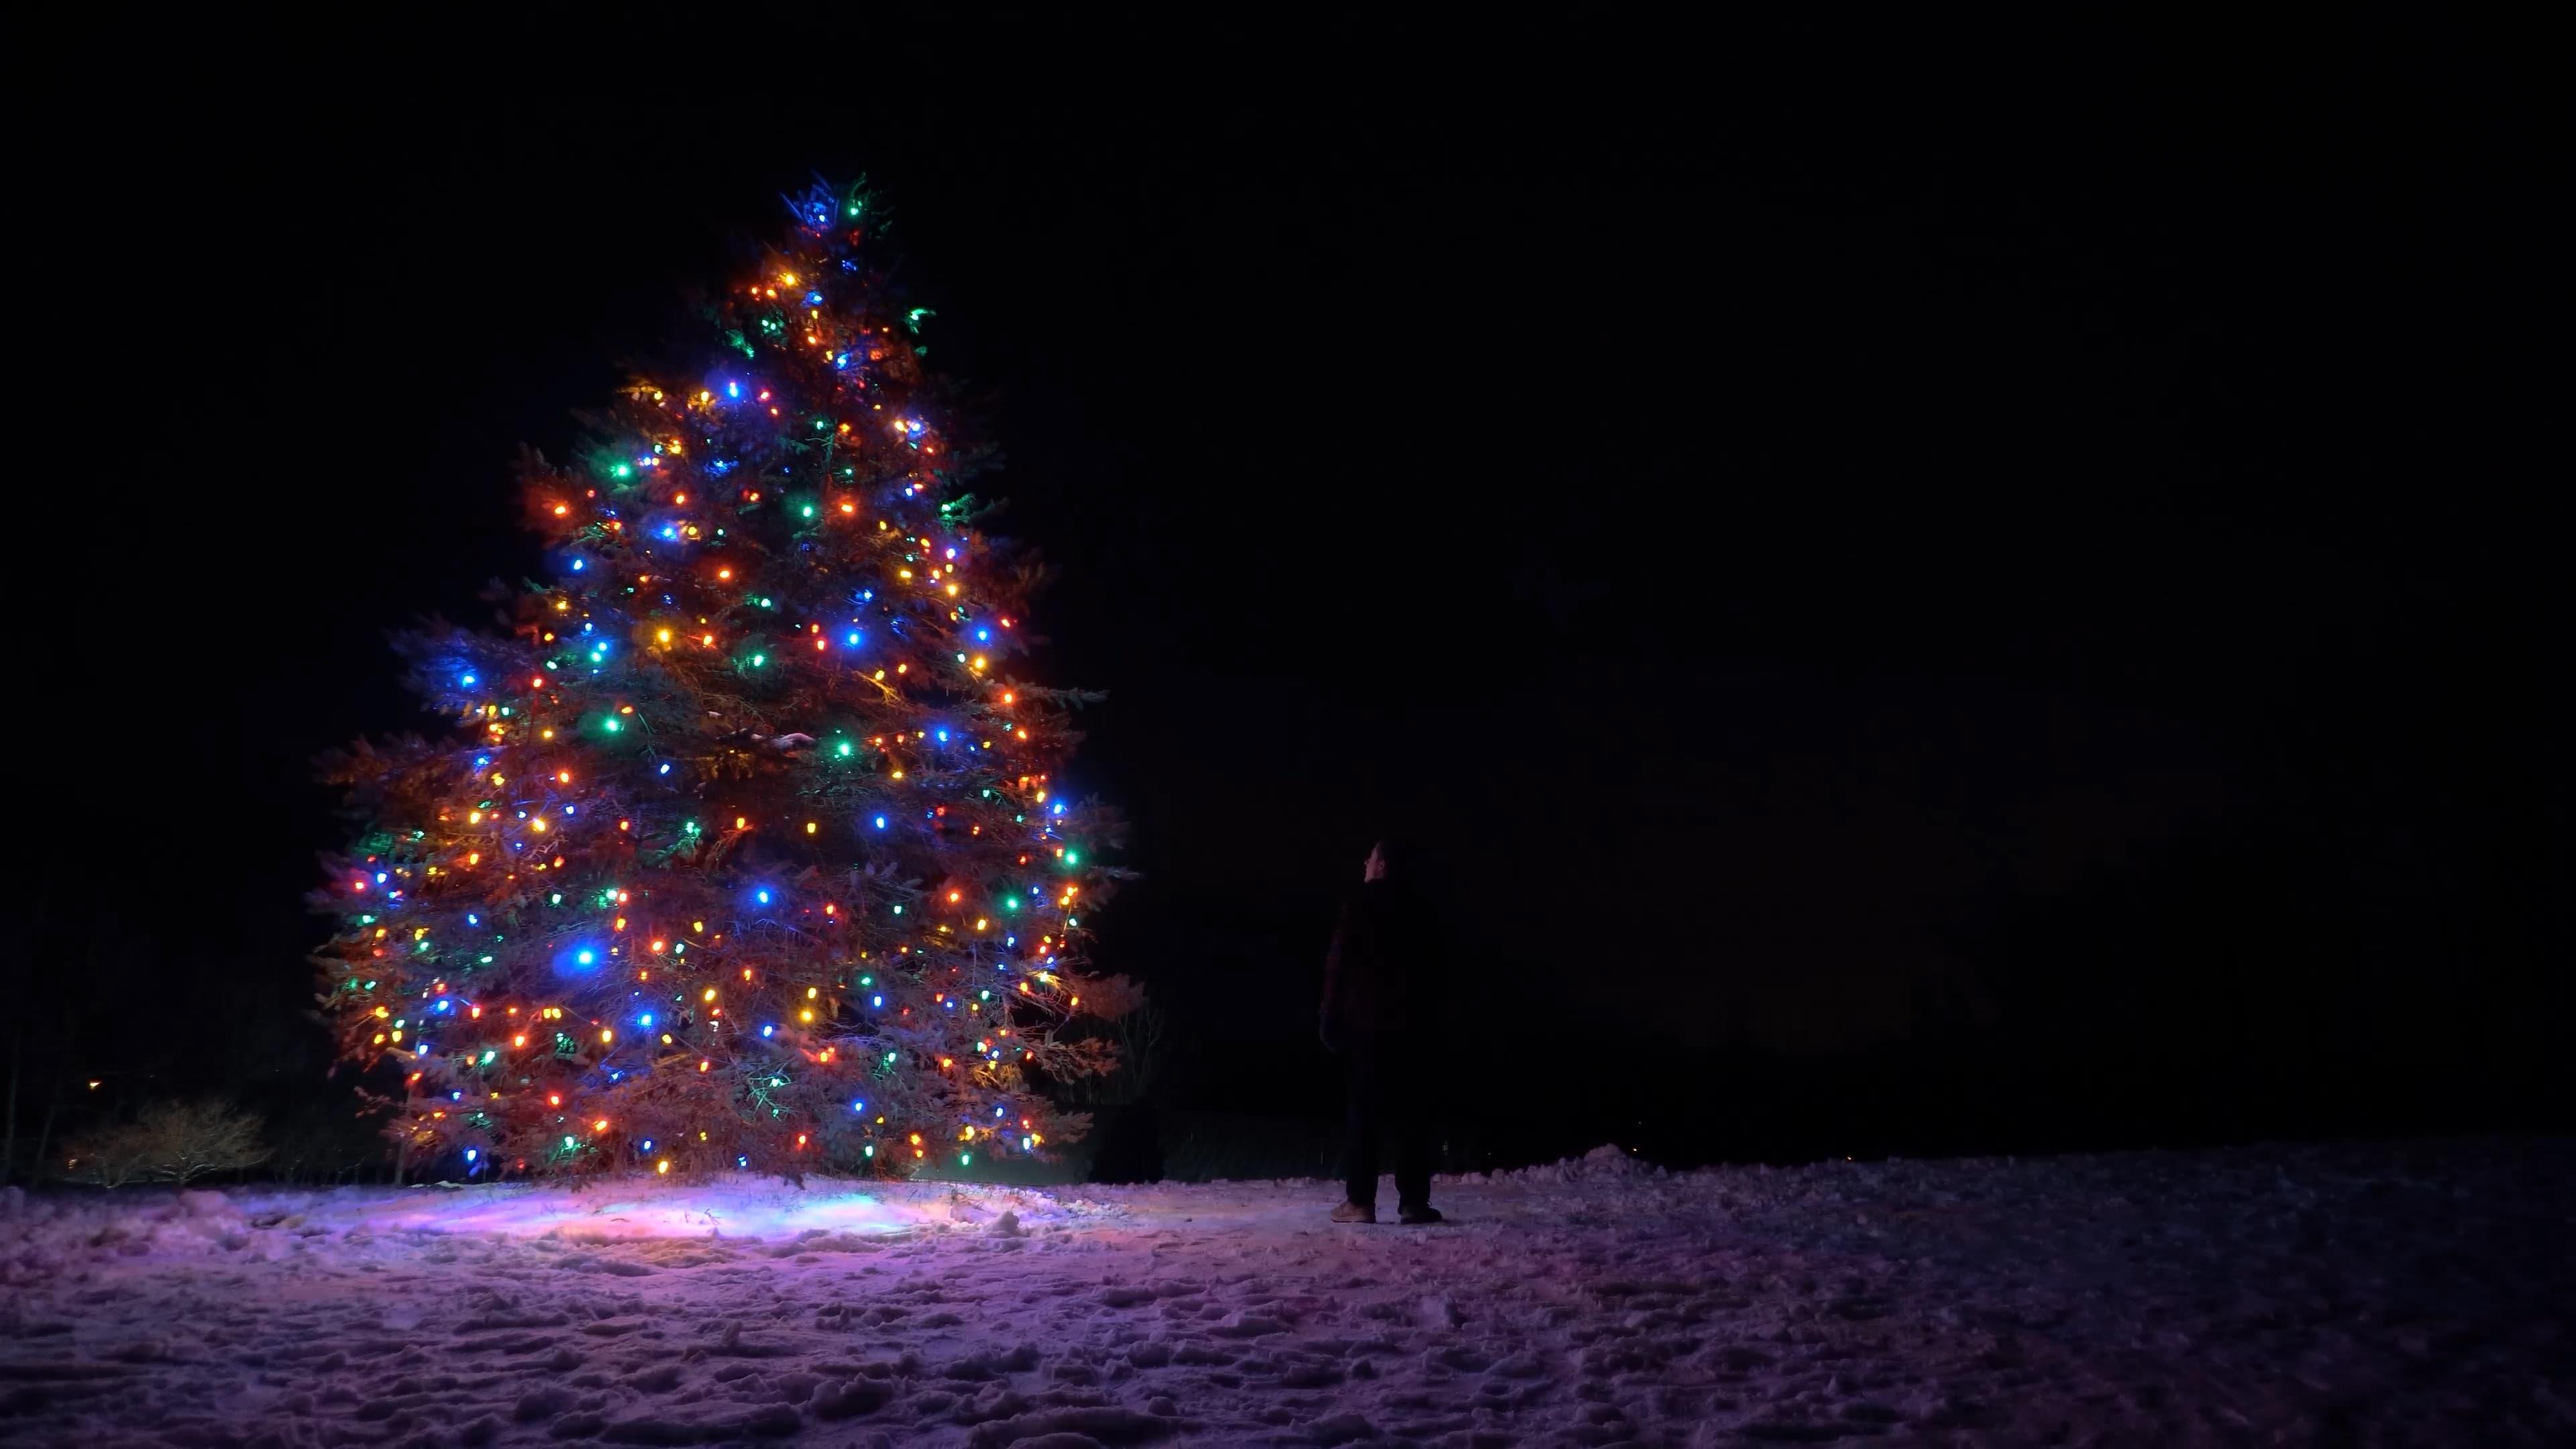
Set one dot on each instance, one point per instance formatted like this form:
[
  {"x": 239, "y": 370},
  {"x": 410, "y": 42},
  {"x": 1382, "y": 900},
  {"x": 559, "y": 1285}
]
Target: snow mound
[{"x": 1608, "y": 1162}]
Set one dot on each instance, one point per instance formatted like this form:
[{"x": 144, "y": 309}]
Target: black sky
[{"x": 1966, "y": 591}]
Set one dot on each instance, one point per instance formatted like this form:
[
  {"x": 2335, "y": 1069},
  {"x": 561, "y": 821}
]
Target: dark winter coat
[{"x": 1385, "y": 969}]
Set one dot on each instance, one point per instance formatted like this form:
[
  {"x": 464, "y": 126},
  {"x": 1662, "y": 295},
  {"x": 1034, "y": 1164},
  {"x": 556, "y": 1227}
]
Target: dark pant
[{"x": 1389, "y": 1097}]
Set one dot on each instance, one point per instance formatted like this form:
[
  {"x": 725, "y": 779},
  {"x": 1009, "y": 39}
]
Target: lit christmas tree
[{"x": 749, "y": 852}]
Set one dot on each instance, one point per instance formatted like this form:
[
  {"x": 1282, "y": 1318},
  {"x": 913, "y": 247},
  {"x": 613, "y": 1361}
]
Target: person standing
[{"x": 1382, "y": 979}]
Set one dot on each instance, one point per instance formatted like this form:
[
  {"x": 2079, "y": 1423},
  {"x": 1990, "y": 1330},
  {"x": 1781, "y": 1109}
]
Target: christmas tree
[{"x": 749, "y": 850}]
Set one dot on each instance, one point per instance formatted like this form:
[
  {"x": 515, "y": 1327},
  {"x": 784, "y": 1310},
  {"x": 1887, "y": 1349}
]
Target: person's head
[{"x": 1386, "y": 857}]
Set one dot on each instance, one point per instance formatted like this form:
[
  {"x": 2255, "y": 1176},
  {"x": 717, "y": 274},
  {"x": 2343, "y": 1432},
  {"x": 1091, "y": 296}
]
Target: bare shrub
[{"x": 167, "y": 1142}]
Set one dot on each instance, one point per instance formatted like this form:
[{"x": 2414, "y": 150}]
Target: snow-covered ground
[{"x": 2364, "y": 1295}]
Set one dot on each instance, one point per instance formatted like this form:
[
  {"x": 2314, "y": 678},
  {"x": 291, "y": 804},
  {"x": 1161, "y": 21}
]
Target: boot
[
  {"x": 1418, "y": 1213},
  {"x": 1351, "y": 1212}
]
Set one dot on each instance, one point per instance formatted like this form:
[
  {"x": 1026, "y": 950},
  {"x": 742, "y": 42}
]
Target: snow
[{"x": 2361, "y": 1294}]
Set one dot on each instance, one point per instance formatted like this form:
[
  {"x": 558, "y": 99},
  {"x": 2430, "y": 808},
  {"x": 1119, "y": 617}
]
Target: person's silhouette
[{"x": 1382, "y": 981}]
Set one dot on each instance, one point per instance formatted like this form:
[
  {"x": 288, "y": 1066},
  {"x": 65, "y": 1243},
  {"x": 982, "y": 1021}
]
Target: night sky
[{"x": 1993, "y": 594}]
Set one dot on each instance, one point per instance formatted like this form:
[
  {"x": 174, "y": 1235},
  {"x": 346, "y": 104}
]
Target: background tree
[{"x": 750, "y": 849}]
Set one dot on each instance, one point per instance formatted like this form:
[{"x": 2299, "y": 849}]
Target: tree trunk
[
  {"x": 9, "y": 1143},
  {"x": 45, "y": 1134}
]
